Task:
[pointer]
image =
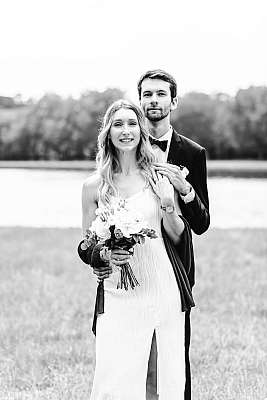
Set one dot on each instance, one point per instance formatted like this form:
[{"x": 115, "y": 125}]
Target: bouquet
[{"x": 118, "y": 227}]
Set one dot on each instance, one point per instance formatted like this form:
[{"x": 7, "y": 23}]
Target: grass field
[
  {"x": 47, "y": 300},
  {"x": 236, "y": 168}
]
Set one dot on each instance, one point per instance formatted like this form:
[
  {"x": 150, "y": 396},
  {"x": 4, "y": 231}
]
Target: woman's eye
[
  {"x": 133, "y": 123},
  {"x": 117, "y": 124}
]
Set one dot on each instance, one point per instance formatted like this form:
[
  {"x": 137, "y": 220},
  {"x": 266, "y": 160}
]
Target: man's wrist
[
  {"x": 186, "y": 189},
  {"x": 189, "y": 197}
]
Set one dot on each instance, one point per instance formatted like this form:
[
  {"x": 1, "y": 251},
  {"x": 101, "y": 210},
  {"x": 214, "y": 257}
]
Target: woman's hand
[
  {"x": 103, "y": 273},
  {"x": 161, "y": 186},
  {"x": 117, "y": 257}
]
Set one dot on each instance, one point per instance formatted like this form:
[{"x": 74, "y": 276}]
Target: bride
[{"x": 124, "y": 330}]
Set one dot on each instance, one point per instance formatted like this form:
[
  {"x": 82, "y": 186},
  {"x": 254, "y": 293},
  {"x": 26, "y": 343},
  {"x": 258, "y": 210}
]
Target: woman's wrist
[{"x": 167, "y": 205}]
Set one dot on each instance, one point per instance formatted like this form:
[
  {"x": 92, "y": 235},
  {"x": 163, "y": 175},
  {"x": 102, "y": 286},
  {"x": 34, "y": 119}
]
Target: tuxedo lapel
[
  {"x": 175, "y": 155},
  {"x": 178, "y": 154}
]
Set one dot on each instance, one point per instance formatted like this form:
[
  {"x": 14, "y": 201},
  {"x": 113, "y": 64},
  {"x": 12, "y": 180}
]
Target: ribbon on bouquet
[{"x": 99, "y": 304}]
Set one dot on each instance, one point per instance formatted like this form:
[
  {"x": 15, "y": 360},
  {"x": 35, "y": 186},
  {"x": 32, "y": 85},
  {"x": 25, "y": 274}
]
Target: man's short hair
[{"x": 158, "y": 74}]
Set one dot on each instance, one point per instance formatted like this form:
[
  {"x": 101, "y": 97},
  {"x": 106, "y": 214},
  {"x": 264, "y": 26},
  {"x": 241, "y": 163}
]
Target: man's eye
[
  {"x": 161, "y": 94},
  {"x": 146, "y": 94}
]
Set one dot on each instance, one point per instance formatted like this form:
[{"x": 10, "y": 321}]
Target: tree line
[{"x": 54, "y": 128}]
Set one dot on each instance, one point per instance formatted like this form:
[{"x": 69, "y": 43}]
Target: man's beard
[{"x": 158, "y": 116}]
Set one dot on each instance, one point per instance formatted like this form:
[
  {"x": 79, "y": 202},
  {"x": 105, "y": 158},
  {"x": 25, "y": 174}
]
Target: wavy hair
[{"x": 107, "y": 158}]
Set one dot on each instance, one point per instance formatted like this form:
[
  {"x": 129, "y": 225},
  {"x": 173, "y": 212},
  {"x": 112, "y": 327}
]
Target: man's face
[{"x": 156, "y": 99}]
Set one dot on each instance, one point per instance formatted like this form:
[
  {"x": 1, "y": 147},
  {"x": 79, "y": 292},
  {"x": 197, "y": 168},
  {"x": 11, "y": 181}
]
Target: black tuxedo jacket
[{"x": 184, "y": 151}]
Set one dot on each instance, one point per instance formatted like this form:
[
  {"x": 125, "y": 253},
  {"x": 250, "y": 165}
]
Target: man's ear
[{"x": 174, "y": 103}]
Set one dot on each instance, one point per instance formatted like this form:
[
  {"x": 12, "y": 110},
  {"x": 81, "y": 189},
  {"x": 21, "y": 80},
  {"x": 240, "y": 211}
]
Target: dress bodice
[
  {"x": 146, "y": 203},
  {"x": 150, "y": 262}
]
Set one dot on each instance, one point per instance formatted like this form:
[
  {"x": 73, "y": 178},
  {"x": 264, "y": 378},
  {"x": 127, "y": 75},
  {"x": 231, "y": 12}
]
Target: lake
[{"x": 49, "y": 198}]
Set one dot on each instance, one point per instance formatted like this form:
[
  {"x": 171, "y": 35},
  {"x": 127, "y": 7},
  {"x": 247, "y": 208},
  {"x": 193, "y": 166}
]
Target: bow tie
[{"x": 162, "y": 144}]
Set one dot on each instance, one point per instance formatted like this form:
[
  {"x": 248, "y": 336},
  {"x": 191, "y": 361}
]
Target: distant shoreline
[{"x": 223, "y": 168}]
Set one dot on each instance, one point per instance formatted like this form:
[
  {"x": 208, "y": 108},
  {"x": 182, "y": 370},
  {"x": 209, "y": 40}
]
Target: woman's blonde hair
[{"x": 107, "y": 160}]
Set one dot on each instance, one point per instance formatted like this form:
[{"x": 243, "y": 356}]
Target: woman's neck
[{"x": 128, "y": 163}]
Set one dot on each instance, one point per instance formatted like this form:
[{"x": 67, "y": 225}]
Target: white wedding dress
[{"x": 124, "y": 331}]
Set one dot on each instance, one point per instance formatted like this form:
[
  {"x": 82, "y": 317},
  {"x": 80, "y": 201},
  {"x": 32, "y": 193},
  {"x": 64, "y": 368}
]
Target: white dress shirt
[{"x": 161, "y": 156}]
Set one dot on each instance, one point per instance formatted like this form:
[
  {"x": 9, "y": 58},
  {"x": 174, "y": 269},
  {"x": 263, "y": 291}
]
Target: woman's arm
[
  {"x": 89, "y": 205},
  {"x": 173, "y": 224},
  {"x": 89, "y": 201}
]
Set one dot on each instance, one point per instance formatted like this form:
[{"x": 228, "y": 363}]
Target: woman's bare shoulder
[
  {"x": 93, "y": 180},
  {"x": 91, "y": 185}
]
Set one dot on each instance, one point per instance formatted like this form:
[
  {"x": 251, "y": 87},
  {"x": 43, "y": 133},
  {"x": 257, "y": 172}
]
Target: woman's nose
[{"x": 125, "y": 130}]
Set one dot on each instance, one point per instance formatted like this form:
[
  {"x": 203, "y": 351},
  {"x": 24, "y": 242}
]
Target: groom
[{"x": 157, "y": 91}]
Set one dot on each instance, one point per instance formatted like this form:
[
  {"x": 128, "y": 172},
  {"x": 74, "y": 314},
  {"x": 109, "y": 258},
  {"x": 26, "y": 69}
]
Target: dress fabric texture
[{"x": 125, "y": 329}]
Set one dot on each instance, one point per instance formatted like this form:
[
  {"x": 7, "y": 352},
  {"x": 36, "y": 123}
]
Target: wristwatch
[{"x": 168, "y": 209}]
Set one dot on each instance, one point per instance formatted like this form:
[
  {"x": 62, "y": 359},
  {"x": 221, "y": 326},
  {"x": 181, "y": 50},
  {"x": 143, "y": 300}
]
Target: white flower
[
  {"x": 184, "y": 171},
  {"x": 101, "y": 228},
  {"x": 129, "y": 228},
  {"x": 125, "y": 218},
  {"x": 128, "y": 221}
]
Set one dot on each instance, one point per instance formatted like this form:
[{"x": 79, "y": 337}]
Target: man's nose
[{"x": 154, "y": 98}]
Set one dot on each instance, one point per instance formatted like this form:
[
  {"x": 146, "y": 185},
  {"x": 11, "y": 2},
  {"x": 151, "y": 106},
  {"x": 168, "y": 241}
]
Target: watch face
[{"x": 169, "y": 209}]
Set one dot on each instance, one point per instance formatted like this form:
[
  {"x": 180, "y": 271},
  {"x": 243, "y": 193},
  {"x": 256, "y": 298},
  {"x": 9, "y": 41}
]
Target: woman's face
[{"x": 125, "y": 130}]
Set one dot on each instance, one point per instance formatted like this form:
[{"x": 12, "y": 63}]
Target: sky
[{"x": 71, "y": 46}]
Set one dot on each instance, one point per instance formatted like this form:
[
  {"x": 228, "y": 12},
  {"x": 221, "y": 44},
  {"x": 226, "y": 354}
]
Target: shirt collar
[{"x": 166, "y": 136}]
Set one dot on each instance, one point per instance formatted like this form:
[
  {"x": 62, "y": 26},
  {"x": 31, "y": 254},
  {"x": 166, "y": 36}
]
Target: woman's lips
[{"x": 126, "y": 140}]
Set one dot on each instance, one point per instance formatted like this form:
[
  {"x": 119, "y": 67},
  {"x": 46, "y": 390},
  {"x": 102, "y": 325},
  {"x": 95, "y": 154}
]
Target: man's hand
[{"x": 175, "y": 175}]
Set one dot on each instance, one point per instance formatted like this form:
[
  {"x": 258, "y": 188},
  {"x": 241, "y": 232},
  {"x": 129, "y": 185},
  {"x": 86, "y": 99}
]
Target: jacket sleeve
[
  {"x": 197, "y": 210},
  {"x": 85, "y": 255},
  {"x": 182, "y": 259},
  {"x": 91, "y": 255}
]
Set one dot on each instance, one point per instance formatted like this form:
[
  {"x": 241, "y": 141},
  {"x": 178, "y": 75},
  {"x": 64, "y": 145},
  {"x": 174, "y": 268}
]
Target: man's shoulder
[{"x": 188, "y": 143}]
